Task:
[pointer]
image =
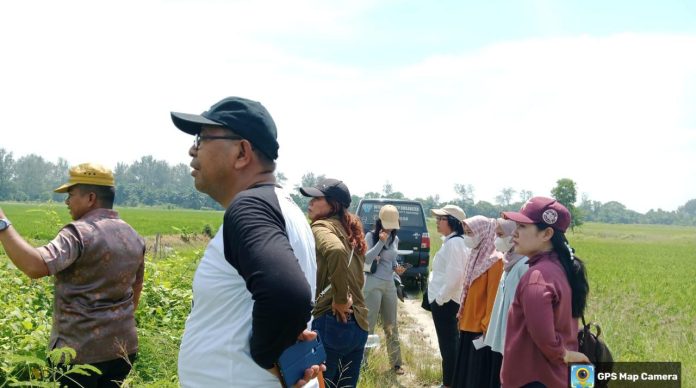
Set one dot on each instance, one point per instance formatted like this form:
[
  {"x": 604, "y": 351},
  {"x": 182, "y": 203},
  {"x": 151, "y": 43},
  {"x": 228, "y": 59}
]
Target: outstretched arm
[{"x": 23, "y": 255}]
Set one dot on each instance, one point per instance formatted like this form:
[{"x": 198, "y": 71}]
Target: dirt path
[{"x": 424, "y": 322}]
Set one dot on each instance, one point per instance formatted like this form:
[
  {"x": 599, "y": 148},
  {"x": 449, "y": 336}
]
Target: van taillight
[{"x": 425, "y": 241}]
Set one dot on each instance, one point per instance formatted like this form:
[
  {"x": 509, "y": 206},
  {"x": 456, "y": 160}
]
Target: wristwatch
[{"x": 4, "y": 224}]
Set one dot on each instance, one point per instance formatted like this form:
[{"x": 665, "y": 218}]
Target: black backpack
[{"x": 595, "y": 349}]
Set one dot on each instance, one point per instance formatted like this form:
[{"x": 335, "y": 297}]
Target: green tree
[
  {"x": 614, "y": 212},
  {"x": 465, "y": 198},
  {"x": 281, "y": 179},
  {"x": 32, "y": 178},
  {"x": 388, "y": 192},
  {"x": 687, "y": 213},
  {"x": 431, "y": 202},
  {"x": 58, "y": 175},
  {"x": 589, "y": 208},
  {"x": 484, "y": 208},
  {"x": 525, "y": 195},
  {"x": 505, "y": 197},
  {"x": 659, "y": 216},
  {"x": 6, "y": 175},
  {"x": 566, "y": 193}
]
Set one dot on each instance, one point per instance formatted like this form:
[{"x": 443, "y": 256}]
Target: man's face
[
  {"x": 79, "y": 202},
  {"x": 213, "y": 160}
]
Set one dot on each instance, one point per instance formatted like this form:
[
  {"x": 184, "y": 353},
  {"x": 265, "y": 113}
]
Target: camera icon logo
[{"x": 582, "y": 376}]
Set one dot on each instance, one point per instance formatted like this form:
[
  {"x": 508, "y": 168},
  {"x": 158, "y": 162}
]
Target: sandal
[{"x": 399, "y": 370}]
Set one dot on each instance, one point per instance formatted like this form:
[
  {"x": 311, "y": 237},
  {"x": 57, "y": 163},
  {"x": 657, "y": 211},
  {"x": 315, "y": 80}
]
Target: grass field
[
  {"x": 642, "y": 289},
  {"x": 642, "y": 281},
  {"x": 41, "y": 221}
]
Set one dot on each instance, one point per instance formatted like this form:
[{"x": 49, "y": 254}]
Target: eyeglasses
[{"x": 198, "y": 139}]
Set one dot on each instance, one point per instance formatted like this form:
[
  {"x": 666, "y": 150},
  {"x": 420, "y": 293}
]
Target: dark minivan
[{"x": 413, "y": 235}]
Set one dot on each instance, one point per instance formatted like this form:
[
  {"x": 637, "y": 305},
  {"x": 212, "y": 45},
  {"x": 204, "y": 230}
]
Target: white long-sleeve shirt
[{"x": 447, "y": 276}]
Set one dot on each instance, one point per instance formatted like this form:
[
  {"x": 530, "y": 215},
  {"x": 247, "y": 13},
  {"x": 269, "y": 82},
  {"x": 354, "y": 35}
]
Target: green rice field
[{"x": 642, "y": 278}]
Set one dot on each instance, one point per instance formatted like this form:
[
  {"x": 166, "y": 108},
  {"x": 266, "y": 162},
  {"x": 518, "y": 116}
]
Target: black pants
[
  {"x": 496, "y": 363},
  {"x": 113, "y": 372},
  {"x": 473, "y": 367},
  {"x": 446, "y": 327}
]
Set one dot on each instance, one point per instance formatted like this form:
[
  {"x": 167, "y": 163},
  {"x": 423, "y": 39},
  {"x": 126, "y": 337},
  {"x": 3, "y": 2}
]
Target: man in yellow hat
[{"x": 97, "y": 262}]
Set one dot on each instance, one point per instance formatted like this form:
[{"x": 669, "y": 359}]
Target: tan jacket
[{"x": 333, "y": 253}]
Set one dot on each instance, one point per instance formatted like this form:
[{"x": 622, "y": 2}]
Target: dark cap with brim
[
  {"x": 332, "y": 188},
  {"x": 517, "y": 217},
  {"x": 246, "y": 118},
  {"x": 311, "y": 192},
  {"x": 542, "y": 210},
  {"x": 191, "y": 123}
]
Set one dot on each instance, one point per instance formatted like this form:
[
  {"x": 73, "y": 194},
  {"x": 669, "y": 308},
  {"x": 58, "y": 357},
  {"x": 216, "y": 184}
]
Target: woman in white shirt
[{"x": 445, "y": 285}]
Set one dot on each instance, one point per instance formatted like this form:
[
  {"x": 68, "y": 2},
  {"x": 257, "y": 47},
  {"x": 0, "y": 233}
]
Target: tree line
[
  {"x": 152, "y": 182},
  {"x": 148, "y": 182}
]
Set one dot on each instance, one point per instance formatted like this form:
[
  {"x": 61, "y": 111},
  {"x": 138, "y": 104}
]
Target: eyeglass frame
[{"x": 198, "y": 138}]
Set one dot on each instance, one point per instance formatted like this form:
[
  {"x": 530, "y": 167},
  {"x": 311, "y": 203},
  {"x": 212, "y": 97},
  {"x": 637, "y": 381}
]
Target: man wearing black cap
[{"x": 253, "y": 288}]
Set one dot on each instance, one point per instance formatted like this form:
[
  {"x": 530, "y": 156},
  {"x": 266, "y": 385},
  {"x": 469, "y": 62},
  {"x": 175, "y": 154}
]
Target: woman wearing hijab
[
  {"x": 340, "y": 314},
  {"x": 380, "y": 291},
  {"x": 481, "y": 279},
  {"x": 514, "y": 266}
]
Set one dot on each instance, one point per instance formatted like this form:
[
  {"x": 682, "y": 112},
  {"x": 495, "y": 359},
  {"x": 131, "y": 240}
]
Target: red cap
[{"x": 542, "y": 209}]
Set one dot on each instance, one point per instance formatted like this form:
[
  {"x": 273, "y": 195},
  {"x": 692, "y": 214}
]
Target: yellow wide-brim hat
[{"x": 88, "y": 174}]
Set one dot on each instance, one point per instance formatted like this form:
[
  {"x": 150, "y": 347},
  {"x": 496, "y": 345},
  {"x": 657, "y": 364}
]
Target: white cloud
[{"x": 88, "y": 82}]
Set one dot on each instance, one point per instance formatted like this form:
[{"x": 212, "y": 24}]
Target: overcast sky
[{"x": 421, "y": 94}]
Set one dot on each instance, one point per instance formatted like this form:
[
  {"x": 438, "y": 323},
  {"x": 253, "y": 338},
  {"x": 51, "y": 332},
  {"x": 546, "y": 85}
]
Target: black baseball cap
[
  {"x": 332, "y": 188},
  {"x": 248, "y": 119}
]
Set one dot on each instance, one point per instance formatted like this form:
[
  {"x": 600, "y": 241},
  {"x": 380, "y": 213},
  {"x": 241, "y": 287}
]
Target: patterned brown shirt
[{"x": 97, "y": 262}]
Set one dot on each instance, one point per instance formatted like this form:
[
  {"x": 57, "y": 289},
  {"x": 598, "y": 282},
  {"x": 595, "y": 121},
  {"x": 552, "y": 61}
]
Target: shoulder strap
[{"x": 325, "y": 290}]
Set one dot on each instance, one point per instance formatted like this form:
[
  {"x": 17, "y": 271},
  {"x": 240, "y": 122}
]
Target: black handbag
[
  {"x": 399, "y": 287},
  {"x": 373, "y": 267},
  {"x": 425, "y": 303},
  {"x": 596, "y": 350}
]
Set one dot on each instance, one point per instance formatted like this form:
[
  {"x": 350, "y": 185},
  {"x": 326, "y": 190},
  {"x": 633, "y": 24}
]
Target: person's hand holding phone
[
  {"x": 399, "y": 269},
  {"x": 310, "y": 373},
  {"x": 383, "y": 235}
]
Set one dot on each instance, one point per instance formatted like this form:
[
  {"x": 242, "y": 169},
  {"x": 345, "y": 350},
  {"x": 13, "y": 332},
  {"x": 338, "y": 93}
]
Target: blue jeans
[{"x": 344, "y": 344}]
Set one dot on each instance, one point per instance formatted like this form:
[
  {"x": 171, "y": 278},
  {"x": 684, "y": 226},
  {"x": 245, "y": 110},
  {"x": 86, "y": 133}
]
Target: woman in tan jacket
[{"x": 340, "y": 314}]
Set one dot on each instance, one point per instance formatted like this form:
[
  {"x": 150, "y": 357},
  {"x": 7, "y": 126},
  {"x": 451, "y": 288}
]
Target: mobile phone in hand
[{"x": 297, "y": 358}]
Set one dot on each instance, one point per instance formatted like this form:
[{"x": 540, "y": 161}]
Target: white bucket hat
[{"x": 450, "y": 210}]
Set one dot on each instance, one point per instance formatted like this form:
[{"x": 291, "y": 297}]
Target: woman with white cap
[
  {"x": 379, "y": 290},
  {"x": 445, "y": 285},
  {"x": 541, "y": 334}
]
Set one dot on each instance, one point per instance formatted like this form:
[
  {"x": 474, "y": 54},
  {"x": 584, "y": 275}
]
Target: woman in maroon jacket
[{"x": 541, "y": 336}]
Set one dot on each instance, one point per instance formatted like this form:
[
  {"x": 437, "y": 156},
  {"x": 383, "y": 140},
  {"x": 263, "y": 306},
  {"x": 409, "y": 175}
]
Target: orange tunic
[{"x": 479, "y": 301}]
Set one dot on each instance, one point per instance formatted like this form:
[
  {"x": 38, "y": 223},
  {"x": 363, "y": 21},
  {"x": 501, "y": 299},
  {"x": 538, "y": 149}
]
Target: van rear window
[{"x": 409, "y": 215}]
